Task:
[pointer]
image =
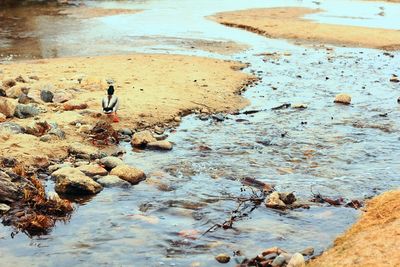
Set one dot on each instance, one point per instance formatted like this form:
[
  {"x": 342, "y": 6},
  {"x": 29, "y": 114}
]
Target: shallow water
[{"x": 337, "y": 150}]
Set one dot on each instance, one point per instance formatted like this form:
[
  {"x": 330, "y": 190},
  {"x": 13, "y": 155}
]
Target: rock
[
  {"x": 111, "y": 162},
  {"x": 278, "y": 261},
  {"x": 93, "y": 170},
  {"x": 160, "y": 145},
  {"x": 287, "y": 198},
  {"x": 297, "y": 260},
  {"x": 34, "y": 77},
  {"x": 47, "y": 96},
  {"x": 4, "y": 208},
  {"x": 41, "y": 161},
  {"x": 3, "y": 118},
  {"x": 85, "y": 129},
  {"x": 45, "y": 138},
  {"x": 83, "y": 151},
  {"x": 141, "y": 139},
  {"x": 9, "y": 162},
  {"x": 73, "y": 181},
  {"x": 299, "y": 106},
  {"x": 223, "y": 258},
  {"x": 398, "y": 100},
  {"x": 57, "y": 132},
  {"x": 37, "y": 128},
  {"x": 12, "y": 127},
  {"x": 177, "y": 119},
  {"x": 61, "y": 96},
  {"x": 9, "y": 191},
  {"x": 130, "y": 174},
  {"x": 16, "y": 91},
  {"x": 158, "y": 130},
  {"x": 55, "y": 167},
  {"x": 218, "y": 117},
  {"x": 3, "y": 92},
  {"x": 24, "y": 99},
  {"x": 205, "y": 110},
  {"x": 113, "y": 181},
  {"x": 394, "y": 79},
  {"x": 7, "y": 107},
  {"x": 9, "y": 83},
  {"x": 274, "y": 202},
  {"x": 20, "y": 79},
  {"x": 307, "y": 251},
  {"x": 161, "y": 137},
  {"x": 343, "y": 99},
  {"x": 24, "y": 111},
  {"x": 126, "y": 131}
]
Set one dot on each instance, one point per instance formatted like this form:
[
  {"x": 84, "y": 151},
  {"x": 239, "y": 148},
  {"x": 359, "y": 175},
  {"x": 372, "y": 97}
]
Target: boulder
[
  {"x": 46, "y": 96},
  {"x": 7, "y": 107},
  {"x": 343, "y": 99},
  {"x": 160, "y": 145},
  {"x": 12, "y": 127},
  {"x": 297, "y": 260},
  {"x": 278, "y": 261},
  {"x": 113, "y": 181},
  {"x": 25, "y": 111},
  {"x": 9, "y": 191},
  {"x": 141, "y": 139},
  {"x": 128, "y": 173},
  {"x": 111, "y": 162},
  {"x": 73, "y": 181},
  {"x": 125, "y": 131},
  {"x": 93, "y": 170}
]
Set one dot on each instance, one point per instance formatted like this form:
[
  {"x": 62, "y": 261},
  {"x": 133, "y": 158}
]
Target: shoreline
[{"x": 288, "y": 23}]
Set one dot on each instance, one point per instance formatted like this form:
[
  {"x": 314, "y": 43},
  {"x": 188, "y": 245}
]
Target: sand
[
  {"x": 153, "y": 90},
  {"x": 373, "y": 241},
  {"x": 288, "y": 23},
  {"x": 83, "y": 12}
]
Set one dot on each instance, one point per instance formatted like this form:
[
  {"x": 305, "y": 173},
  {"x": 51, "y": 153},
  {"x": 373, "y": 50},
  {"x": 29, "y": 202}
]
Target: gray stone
[
  {"x": 74, "y": 182},
  {"x": 24, "y": 111},
  {"x": 111, "y": 162},
  {"x": 12, "y": 127},
  {"x": 307, "y": 251},
  {"x": 218, "y": 117},
  {"x": 57, "y": 132},
  {"x": 278, "y": 261},
  {"x": 45, "y": 138},
  {"x": 47, "y": 96},
  {"x": 113, "y": 181}
]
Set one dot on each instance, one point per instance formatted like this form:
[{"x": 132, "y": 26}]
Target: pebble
[
  {"x": 4, "y": 208},
  {"x": 307, "y": 251},
  {"x": 223, "y": 258}
]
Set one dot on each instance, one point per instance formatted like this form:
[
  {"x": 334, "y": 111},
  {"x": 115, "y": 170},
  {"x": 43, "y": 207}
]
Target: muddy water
[{"x": 336, "y": 150}]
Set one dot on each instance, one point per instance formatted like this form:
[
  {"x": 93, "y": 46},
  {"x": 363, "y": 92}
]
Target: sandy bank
[
  {"x": 287, "y": 23},
  {"x": 373, "y": 241},
  {"x": 153, "y": 90},
  {"x": 83, "y": 12}
]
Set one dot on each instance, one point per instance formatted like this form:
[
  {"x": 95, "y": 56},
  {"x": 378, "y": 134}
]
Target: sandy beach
[{"x": 288, "y": 23}]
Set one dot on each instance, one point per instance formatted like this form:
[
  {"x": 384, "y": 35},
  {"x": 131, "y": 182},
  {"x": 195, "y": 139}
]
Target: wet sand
[
  {"x": 153, "y": 90},
  {"x": 288, "y": 23},
  {"x": 372, "y": 241}
]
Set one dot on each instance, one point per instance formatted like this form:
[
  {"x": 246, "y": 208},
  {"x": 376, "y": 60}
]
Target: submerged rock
[
  {"x": 223, "y": 258},
  {"x": 343, "y": 99},
  {"x": 307, "y": 251},
  {"x": 128, "y": 173},
  {"x": 160, "y": 145},
  {"x": 141, "y": 139},
  {"x": 113, "y": 181},
  {"x": 73, "y": 181},
  {"x": 274, "y": 201},
  {"x": 111, "y": 162}
]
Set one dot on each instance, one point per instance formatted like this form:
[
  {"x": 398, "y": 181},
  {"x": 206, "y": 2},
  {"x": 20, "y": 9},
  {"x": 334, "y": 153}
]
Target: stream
[{"x": 336, "y": 150}]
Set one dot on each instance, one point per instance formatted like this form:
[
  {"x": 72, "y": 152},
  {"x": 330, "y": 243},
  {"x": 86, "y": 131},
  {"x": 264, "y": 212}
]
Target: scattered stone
[
  {"x": 25, "y": 111},
  {"x": 299, "y": 106},
  {"x": 4, "y": 208},
  {"x": 45, "y": 138},
  {"x": 61, "y": 96},
  {"x": 223, "y": 258},
  {"x": 297, "y": 260},
  {"x": 113, "y": 181},
  {"x": 73, "y": 181},
  {"x": 160, "y": 145},
  {"x": 177, "y": 119},
  {"x": 57, "y": 132},
  {"x": 9, "y": 83},
  {"x": 38, "y": 128},
  {"x": 205, "y": 110},
  {"x": 128, "y": 173},
  {"x": 287, "y": 198},
  {"x": 47, "y": 96},
  {"x": 34, "y": 77},
  {"x": 141, "y": 139},
  {"x": 343, "y": 99},
  {"x": 7, "y": 107},
  {"x": 25, "y": 99},
  {"x": 12, "y": 127},
  {"x": 307, "y": 251},
  {"x": 278, "y": 261},
  {"x": 17, "y": 91},
  {"x": 111, "y": 162},
  {"x": 274, "y": 202},
  {"x": 93, "y": 170},
  {"x": 85, "y": 129}
]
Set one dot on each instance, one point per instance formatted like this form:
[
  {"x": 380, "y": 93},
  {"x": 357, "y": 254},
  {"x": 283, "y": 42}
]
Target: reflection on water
[{"x": 348, "y": 151}]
